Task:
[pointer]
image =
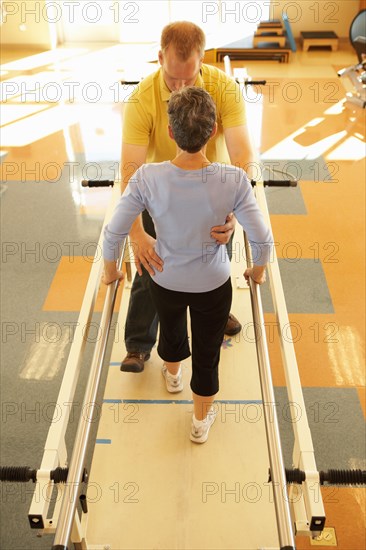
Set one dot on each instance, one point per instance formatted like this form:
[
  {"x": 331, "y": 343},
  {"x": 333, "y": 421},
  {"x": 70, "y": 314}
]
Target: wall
[
  {"x": 307, "y": 15},
  {"x": 34, "y": 22},
  {"x": 27, "y": 22}
]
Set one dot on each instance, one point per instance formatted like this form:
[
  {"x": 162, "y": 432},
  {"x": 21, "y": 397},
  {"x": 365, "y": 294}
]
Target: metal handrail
[
  {"x": 308, "y": 511},
  {"x": 75, "y": 474},
  {"x": 309, "y": 514},
  {"x": 55, "y": 452},
  {"x": 278, "y": 475}
]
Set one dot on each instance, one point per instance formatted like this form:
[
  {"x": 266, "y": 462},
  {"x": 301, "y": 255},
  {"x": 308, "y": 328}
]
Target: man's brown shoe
[
  {"x": 232, "y": 326},
  {"x": 134, "y": 361}
]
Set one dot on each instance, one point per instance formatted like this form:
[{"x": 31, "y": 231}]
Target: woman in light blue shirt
[{"x": 185, "y": 198}]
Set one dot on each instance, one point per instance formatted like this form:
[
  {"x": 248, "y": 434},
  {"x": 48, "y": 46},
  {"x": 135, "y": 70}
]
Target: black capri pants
[{"x": 209, "y": 313}]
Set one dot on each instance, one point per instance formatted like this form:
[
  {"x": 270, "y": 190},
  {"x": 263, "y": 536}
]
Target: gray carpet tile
[
  {"x": 336, "y": 422},
  {"x": 316, "y": 170},
  {"x": 305, "y": 287},
  {"x": 285, "y": 200}
]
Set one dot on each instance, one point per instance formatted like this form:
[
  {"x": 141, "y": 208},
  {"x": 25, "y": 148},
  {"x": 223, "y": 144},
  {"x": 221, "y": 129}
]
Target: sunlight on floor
[
  {"x": 305, "y": 143},
  {"x": 71, "y": 83},
  {"x": 346, "y": 357},
  {"x": 44, "y": 58}
]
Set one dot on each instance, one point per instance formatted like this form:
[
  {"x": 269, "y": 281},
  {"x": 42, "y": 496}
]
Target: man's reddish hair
[{"x": 186, "y": 38}]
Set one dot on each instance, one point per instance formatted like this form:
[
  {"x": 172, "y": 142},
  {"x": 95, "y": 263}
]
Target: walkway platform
[{"x": 160, "y": 490}]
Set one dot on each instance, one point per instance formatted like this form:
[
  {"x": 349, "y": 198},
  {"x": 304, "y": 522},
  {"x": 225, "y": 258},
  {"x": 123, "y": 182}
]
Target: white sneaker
[
  {"x": 200, "y": 429},
  {"x": 174, "y": 384}
]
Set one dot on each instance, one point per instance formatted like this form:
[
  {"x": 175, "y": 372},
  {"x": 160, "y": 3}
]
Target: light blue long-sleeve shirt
[{"x": 184, "y": 205}]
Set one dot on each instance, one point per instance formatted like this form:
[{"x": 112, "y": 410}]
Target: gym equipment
[
  {"x": 357, "y": 75},
  {"x": 272, "y": 25},
  {"x": 357, "y": 34},
  {"x": 319, "y": 38},
  {"x": 356, "y": 95},
  {"x": 290, "y": 36},
  {"x": 244, "y": 50},
  {"x": 269, "y": 42},
  {"x": 266, "y": 37}
]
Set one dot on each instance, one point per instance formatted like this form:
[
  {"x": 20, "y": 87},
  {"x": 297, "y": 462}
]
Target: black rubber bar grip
[
  {"x": 343, "y": 477},
  {"x": 17, "y": 473},
  {"x": 254, "y": 82},
  {"x": 280, "y": 183},
  {"x": 130, "y": 82},
  {"x": 59, "y": 475},
  {"x": 276, "y": 183},
  {"x": 97, "y": 183},
  {"x": 23, "y": 474},
  {"x": 295, "y": 476},
  {"x": 333, "y": 477}
]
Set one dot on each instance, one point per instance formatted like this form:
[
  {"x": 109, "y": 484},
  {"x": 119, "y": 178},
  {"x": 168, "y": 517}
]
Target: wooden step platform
[
  {"x": 273, "y": 30},
  {"x": 319, "y": 38},
  {"x": 271, "y": 37},
  {"x": 245, "y": 50},
  {"x": 270, "y": 23}
]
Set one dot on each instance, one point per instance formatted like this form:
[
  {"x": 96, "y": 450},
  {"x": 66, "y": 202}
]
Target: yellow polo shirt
[{"x": 145, "y": 120}]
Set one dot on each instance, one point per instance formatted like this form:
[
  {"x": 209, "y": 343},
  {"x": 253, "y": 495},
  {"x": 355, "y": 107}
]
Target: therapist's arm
[
  {"x": 134, "y": 156},
  {"x": 242, "y": 153}
]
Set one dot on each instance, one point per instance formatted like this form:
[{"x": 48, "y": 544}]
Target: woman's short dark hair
[{"x": 192, "y": 116}]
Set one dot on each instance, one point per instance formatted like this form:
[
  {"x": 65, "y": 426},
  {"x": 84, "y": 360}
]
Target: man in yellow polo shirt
[{"x": 145, "y": 139}]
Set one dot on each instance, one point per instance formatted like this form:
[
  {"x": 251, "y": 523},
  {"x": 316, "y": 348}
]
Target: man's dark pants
[{"x": 142, "y": 320}]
